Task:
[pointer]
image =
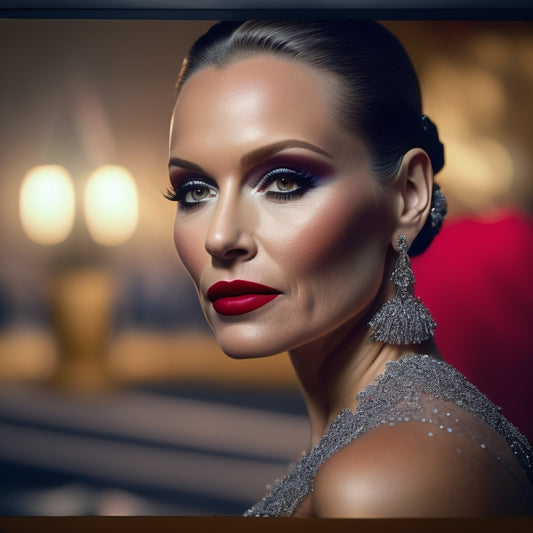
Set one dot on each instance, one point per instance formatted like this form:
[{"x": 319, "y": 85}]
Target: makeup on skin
[{"x": 276, "y": 205}]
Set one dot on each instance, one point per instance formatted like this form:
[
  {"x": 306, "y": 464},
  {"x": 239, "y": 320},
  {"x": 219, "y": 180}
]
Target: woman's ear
[{"x": 415, "y": 184}]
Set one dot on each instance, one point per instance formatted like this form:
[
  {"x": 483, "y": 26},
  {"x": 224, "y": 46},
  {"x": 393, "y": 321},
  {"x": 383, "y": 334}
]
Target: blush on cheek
[
  {"x": 190, "y": 250},
  {"x": 340, "y": 231}
]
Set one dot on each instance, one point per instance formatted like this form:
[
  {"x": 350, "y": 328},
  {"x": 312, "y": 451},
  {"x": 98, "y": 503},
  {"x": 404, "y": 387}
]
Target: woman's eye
[
  {"x": 286, "y": 183},
  {"x": 198, "y": 194},
  {"x": 192, "y": 193}
]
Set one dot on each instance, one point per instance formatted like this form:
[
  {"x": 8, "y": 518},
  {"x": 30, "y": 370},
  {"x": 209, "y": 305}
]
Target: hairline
[{"x": 335, "y": 79}]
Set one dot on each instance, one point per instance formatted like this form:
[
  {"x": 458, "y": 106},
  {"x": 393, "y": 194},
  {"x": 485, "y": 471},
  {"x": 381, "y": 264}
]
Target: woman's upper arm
[{"x": 410, "y": 470}]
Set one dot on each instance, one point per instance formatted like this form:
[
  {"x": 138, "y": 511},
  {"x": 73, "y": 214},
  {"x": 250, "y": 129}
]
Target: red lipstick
[{"x": 238, "y": 297}]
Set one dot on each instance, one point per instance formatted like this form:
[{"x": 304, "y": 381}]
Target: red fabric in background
[{"x": 477, "y": 280}]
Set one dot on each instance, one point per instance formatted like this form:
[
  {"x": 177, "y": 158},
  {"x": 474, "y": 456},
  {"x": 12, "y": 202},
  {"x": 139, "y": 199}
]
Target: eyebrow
[
  {"x": 255, "y": 156},
  {"x": 183, "y": 163}
]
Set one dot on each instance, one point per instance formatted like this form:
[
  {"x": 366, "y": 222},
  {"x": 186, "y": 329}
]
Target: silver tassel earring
[{"x": 404, "y": 319}]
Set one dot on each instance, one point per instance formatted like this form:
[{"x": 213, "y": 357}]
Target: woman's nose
[{"x": 230, "y": 232}]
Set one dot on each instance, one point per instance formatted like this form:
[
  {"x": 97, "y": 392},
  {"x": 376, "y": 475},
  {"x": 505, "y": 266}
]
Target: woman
[{"x": 303, "y": 170}]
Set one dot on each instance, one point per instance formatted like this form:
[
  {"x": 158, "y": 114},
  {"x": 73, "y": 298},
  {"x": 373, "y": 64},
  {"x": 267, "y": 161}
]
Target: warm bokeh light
[
  {"x": 463, "y": 97},
  {"x": 479, "y": 170},
  {"x": 111, "y": 205},
  {"x": 46, "y": 204}
]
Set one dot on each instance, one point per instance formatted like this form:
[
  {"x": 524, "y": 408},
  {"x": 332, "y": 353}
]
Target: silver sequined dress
[{"x": 416, "y": 388}]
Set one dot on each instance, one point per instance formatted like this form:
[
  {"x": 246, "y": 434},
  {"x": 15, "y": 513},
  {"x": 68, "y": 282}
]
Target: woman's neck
[{"x": 334, "y": 368}]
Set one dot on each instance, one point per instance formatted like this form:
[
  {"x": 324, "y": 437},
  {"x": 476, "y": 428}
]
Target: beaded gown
[{"x": 416, "y": 388}]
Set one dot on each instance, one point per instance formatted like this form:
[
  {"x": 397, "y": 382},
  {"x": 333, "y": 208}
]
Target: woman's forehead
[
  {"x": 261, "y": 72},
  {"x": 256, "y": 96}
]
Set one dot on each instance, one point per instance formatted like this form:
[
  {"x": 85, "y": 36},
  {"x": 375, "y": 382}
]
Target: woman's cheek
[
  {"x": 340, "y": 229},
  {"x": 190, "y": 247}
]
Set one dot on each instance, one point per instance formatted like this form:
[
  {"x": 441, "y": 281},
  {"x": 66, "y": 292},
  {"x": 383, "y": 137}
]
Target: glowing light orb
[
  {"x": 111, "y": 205},
  {"x": 46, "y": 204}
]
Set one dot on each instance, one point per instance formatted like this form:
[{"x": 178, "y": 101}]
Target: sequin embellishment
[{"x": 396, "y": 396}]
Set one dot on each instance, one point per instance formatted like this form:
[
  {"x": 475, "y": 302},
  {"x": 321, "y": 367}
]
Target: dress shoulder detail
[{"x": 414, "y": 388}]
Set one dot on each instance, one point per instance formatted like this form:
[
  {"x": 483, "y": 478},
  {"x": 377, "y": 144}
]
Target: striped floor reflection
[{"x": 141, "y": 452}]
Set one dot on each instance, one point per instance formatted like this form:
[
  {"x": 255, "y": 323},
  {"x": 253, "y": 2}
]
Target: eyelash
[
  {"x": 179, "y": 193},
  {"x": 303, "y": 179}
]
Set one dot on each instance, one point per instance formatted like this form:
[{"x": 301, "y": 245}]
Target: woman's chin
[
  {"x": 246, "y": 352},
  {"x": 240, "y": 340},
  {"x": 243, "y": 347}
]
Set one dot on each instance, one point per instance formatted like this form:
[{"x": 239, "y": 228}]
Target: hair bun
[
  {"x": 439, "y": 208},
  {"x": 431, "y": 143}
]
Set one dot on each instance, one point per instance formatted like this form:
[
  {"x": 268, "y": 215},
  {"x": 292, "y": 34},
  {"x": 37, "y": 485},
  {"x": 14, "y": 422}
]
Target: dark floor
[{"x": 170, "y": 450}]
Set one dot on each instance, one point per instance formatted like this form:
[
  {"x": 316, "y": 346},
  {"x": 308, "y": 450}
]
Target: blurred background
[{"x": 114, "y": 399}]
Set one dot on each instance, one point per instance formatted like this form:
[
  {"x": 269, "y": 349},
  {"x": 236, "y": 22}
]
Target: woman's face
[{"x": 275, "y": 198}]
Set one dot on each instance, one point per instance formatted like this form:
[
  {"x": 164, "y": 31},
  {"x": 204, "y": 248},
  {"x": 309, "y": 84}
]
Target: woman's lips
[{"x": 238, "y": 297}]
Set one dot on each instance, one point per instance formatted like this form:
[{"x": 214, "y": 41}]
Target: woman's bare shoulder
[{"x": 411, "y": 469}]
